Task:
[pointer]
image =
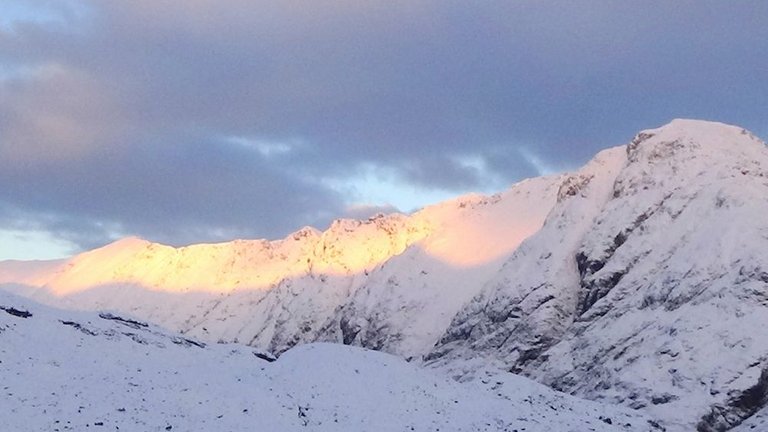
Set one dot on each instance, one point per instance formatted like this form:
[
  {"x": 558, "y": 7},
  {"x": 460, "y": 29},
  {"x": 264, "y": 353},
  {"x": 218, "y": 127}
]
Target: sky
[{"x": 186, "y": 121}]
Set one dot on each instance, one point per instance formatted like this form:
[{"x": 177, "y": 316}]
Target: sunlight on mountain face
[
  {"x": 347, "y": 248},
  {"x": 474, "y": 237},
  {"x": 462, "y": 233}
]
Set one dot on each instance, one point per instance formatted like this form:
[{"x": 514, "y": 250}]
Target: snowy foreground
[{"x": 64, "y": 370}]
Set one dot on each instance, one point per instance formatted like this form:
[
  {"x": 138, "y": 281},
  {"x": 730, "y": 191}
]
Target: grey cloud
[
  {"x": 202, "y": 191},
  {"x": 59, "y": 114},
  {"x": 362, "y": 212},
  {"x": 123, "y": 122}
]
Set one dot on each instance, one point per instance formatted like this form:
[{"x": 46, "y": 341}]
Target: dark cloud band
[{"x": 198, "y": 120}]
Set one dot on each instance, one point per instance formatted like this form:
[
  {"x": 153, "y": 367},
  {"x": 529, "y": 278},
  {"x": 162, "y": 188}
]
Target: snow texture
[{"x": 76, "y": 371}]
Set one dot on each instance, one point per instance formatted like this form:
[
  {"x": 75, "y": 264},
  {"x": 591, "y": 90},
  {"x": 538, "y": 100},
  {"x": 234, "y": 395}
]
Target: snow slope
[{"x": 75, "y": 371}]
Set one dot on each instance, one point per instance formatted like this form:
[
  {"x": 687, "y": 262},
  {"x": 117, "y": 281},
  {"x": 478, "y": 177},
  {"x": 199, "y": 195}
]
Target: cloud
[
  {"x": 201, "y": 120},
  {"x": 55, "y": 114},
  {"x": 363, "y": 211},
  {"x": 176, "y": 194}
]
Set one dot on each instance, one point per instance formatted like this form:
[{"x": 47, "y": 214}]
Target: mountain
[
  {"x": 643, "y": 288},
  {"x": 74, "y": 371},
  {"x": 641, "y": 280},
  {"x": 408, "y": 274}
]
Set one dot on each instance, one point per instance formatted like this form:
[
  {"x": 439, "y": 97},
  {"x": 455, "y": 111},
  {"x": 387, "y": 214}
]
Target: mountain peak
[
  {"x": 130, "y": 242},
  {"x": 696, "y": 127},
  {"x": 679, "y": 133}
]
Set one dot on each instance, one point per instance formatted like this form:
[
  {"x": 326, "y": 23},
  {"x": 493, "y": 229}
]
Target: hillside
[{"x": 75, "y": 371}]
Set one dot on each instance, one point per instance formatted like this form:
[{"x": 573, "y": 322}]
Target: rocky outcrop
[{"x": 739, "y": 406}]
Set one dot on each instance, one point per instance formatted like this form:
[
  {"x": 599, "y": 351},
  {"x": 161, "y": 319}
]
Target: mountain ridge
[
  {"x": 596, "y": 282},
  {"x": 333, "y": 265}
]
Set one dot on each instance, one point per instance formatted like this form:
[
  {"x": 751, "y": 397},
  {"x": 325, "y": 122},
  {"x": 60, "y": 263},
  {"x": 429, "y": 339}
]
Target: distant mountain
[
  {"x": 391, "y": 282},
  {"x": 640, "y": 279},
  {"x": 76, "y": 371}
]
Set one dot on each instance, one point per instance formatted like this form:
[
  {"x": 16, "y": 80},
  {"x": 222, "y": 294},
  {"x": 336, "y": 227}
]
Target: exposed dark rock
[
  {"x": 348, "y": 331},
  {"x": 572, "y": 186},
  {"x": 597, "y": 289},
  {"x": 663, "y": 399},
  {"x": 587, "y": 266},
  {"x": 187, "y": 342},
  {"x": 136, "y": 338},
  {"x": 302, "y": 414},
  {"x": 434, "y": 355},
  {"x": 80, "y": 327},
  {"x": 499, "y": 315},
  {"x": 376, "y": 335},
  {"x": 459, "y": 332},
  {"x": 265, "y": 356},
  {"x": 619, "y": 240},
  {"x": 637, "y": 140},
  {"x": 753, "y": 273},
  {"x": 125, "y": 321},
  {"x": 738, "y": 408},
  {"x": 527, "y": 356},
  {"x": 16, "y": 312}
]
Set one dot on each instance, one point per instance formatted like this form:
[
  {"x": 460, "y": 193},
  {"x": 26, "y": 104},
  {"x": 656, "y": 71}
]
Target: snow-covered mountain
[
  {"x": 640, "y": 279},
  {"x": 76, "y": 371},
  {"x": 646, "y": 287},
  {"x": 392, "y": 282}
]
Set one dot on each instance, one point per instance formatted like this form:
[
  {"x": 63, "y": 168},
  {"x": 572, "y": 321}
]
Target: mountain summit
[{"x": 640, "y": 279}]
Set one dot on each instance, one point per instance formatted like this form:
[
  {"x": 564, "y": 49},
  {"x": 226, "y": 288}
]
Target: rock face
[
  {"x": 641, "y": 279},
  {"x": 530, "y": 302}
]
